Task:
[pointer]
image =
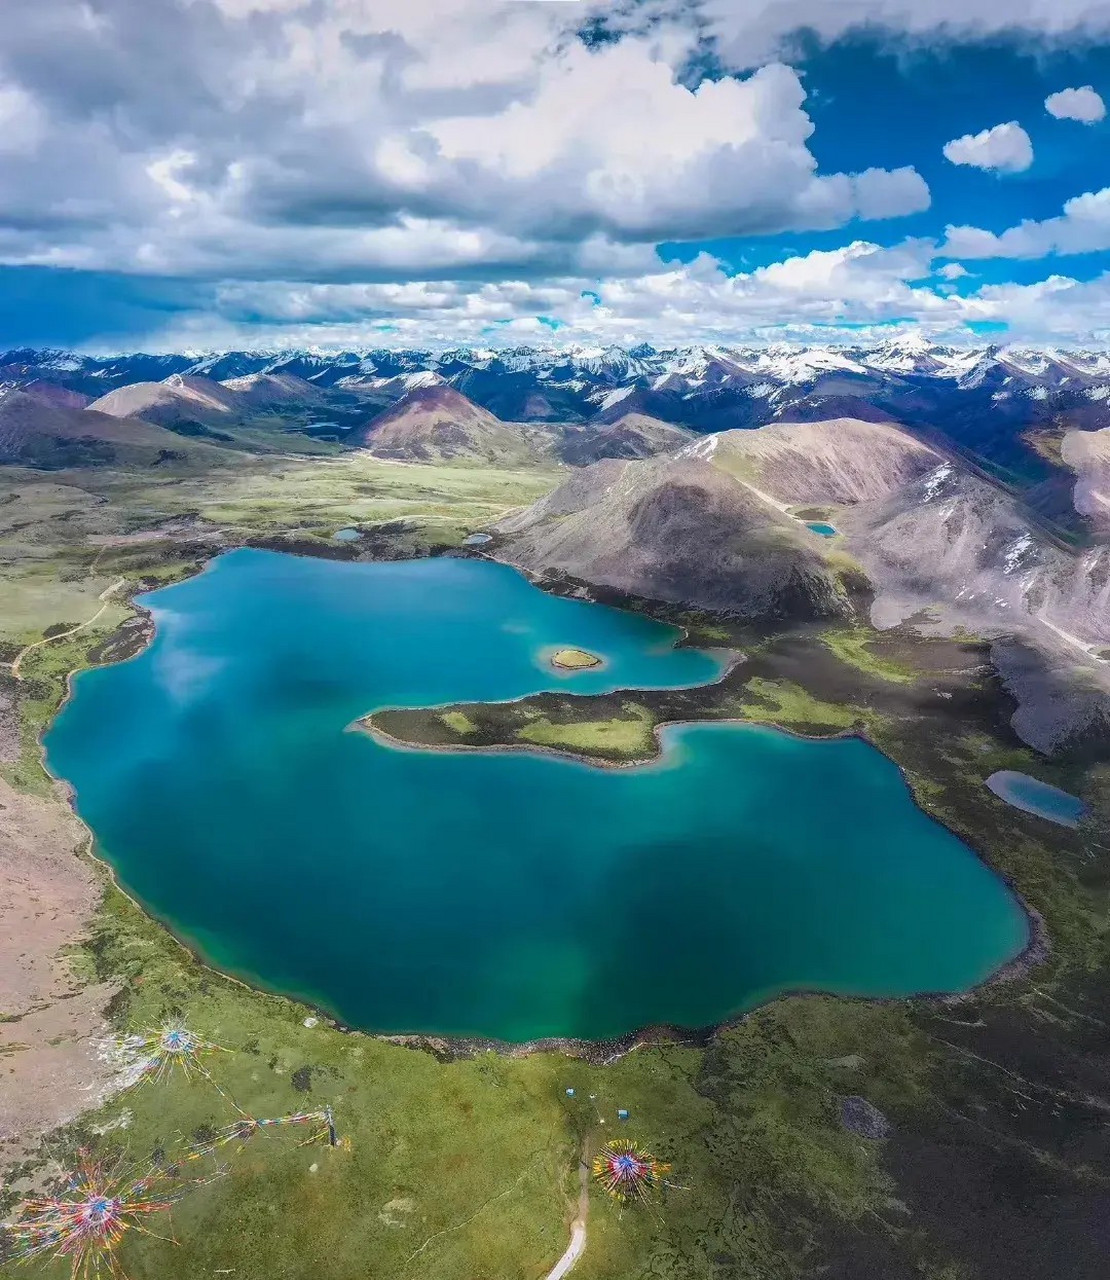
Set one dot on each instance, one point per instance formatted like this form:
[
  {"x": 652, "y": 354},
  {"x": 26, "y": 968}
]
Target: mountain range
[{"x": 1005, "y": 407}]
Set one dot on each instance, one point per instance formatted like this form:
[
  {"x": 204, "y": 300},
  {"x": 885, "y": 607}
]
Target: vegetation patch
[
  {"x": 574, "y": 659},
  {"x": 791, "y": 705},
  {"x": 458, "y": 721},
  {"x": 859, "y": 648},
  {"x": 626, "y": 738}
]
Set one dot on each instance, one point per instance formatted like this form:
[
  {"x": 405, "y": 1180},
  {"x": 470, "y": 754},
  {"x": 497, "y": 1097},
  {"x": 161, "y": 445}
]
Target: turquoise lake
[
  {"x": 825, "y": 530},
  {"x": 495, "y": 894}
]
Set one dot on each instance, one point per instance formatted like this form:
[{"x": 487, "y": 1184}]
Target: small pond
[{"x": 1034, "y": 796}]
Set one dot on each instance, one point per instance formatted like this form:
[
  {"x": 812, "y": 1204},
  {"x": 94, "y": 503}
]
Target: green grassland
[
  {"x": 625, "y": 737},
  {"x": 859, "y": 647},
  {"x": 460, "y": 1165}
]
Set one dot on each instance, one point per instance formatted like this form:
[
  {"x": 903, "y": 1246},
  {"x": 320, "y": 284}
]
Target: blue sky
[
  {"x": 879, "y": 101},
  {"x": 201, "y": 174}
]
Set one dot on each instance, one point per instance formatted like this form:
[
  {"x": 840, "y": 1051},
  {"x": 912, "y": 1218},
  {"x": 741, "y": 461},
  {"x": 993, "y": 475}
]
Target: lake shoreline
[{"x": 602, "y": 1051}]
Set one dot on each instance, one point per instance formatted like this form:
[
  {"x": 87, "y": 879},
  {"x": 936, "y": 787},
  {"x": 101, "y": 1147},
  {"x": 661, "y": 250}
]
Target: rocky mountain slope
[
  {"x": 189, "y": 398},
  {"x": 952, "y": 543},
  {"x": 633, "y": 435},
  {"x": 267, "y": 391},
  {"x": 39, "y": 434},
  {"x": 1087, "y": 453},
  {"x": 179, "y": 398},
  {"x": 844, "y": 460},
  {"x": 51, "y": 393},
  {"x": 676, "y": 529},
  {"x": 439, "y": 424}
]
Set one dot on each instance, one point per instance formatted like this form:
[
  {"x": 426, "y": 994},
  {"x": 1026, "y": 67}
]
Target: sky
[{"x": 350, "y": 174}]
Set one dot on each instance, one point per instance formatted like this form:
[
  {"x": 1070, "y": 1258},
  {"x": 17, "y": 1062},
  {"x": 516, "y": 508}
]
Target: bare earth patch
[{"x": 53, "y": 1034}]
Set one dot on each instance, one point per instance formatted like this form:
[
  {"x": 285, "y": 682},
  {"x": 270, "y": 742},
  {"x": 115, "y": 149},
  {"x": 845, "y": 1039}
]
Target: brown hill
[
  {"x": 261, "y": 391},
  {"x": 51, "y": 393},
  {"x": 40, "y": 434},
  {"x": 677, "y": 529},
  {"x": 439, "y": 424},
  {"x": 1087, "y": 453},
  {"x": 634, "y": 435},
  {"x": 955, "y": 544},
  {"x": 179, "y": 398},
  {"x": 835, "y": 462}
]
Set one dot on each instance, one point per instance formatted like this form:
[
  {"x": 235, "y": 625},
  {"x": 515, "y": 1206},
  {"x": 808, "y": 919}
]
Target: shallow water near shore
[{"x": 507, "y": 895}]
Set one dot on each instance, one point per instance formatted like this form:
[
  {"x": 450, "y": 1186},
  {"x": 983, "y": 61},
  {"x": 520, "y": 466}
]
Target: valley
[{"x": 957, "y": 621}]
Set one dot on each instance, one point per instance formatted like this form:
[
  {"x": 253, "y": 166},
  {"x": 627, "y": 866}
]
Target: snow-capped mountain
[
  {"x": 908, "y": 356},
  {"x": 984, "y": 400}
]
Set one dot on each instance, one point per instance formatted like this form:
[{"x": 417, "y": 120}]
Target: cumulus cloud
[
  {"x": 280, "y": 137},
  {"x": 807, "y": 297},
  {"x": 883, "y": 193},
  {"x": 21, "y": 122},
  {"x": 1006, "y": 149},
  {"x": 442, "y": 171},
  {"x": 748, "y": 32},
  {"x": 861, "y": 282},
  {"x": 1082, "y": 104},
  {"x": 1083, "y": 227}
]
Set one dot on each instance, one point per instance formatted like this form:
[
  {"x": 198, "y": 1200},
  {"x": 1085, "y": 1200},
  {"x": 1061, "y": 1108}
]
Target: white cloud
[
  {"x": 450, "y": 170},
  {"x": 862, "y": 283},
  {"x": 952, "y": 271},
  {"x": 1006, "y": 148},
  {"x": 749, "y": 32},
  {"x": 875, "y": 290},
  {"x": 21, "y": 121},
  {"x": 1084, "y": 227},
  {"x": 282, "y": 136},
  {"x": 1082, "y": 104},
  {"x": 883, "y": 193}
]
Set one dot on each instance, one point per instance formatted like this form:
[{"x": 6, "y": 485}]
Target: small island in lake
[{"x": 574, "y": 659}]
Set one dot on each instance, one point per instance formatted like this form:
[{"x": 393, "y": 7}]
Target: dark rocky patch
[{"x": 857, "y": 1115}]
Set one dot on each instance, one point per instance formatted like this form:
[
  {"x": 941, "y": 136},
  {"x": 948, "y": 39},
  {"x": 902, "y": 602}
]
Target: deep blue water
[{"x": 500, "y": 894}]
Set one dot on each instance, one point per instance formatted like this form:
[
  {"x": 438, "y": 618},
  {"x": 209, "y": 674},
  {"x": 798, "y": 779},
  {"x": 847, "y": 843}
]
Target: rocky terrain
[
  {"x": 36, "y": 432},
  {"x": 953, "y": 543},
  {"x": 439, "y": 424},
  {"x": 632, "y": 435},
  {"x": 183, "y": 398},
  {"x": 677, "y": 529},
  {"x": 997, "y": 407},
  {"x": 844, "y": 460},
  {"x": 180, "y": 397},
  {"x": 1087, "y": 453},
  {"x": 51, "y": 393},
  {"x": 980, "y": 400},
  {"x": 941, "y": 546},
  {"x": 267, "y": 391}
]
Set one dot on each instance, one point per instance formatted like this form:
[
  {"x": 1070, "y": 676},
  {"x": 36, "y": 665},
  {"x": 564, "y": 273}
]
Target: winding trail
[
  {"x": 577, "y": 1244},
  {"x": 104, "y": 597}
]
